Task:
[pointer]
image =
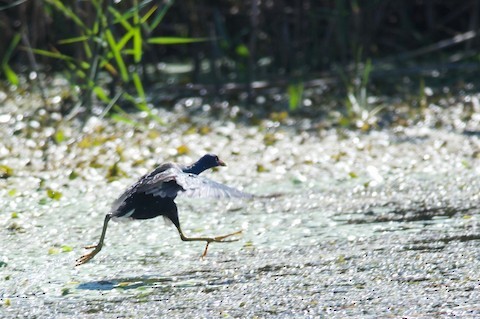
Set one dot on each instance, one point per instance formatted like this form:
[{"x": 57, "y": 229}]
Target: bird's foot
[
  {"x": 221, "y": 239},
  {"x": 85, "y": 258}
]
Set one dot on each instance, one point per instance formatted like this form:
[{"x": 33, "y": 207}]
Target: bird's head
[
  {"x": 211, "y": 160},
  {"x": 205, "y": 162}
]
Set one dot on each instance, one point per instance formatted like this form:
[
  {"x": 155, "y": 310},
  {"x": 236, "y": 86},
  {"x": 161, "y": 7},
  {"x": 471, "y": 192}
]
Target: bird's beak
[{"x": 221, "y": 163}]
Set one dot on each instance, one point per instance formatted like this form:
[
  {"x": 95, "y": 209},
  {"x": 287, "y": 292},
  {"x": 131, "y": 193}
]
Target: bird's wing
[
  {"x": 162, "y": 184},
  {"x": 159, "y": 182},
  {"x": 196, "y": 186},
  {"x": 173, "y": 181}
]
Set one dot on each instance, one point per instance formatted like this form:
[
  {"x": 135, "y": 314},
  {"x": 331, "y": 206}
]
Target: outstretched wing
[
  {"x": 173, "y": 182},
  {"x": 196, "y": 186}
]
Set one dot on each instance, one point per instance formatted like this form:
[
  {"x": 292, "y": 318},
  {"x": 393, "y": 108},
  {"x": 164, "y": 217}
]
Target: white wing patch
[
  {"x": 128, "y": 214},
  {"x": 173, "y": 181}
]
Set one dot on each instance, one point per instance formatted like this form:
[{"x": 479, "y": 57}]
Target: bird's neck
[{"x": 195, "y": 168}]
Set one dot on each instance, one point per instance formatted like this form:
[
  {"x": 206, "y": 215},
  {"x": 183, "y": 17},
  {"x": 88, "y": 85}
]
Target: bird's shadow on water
[
  {"x": 185, "y": 280},
  {"x": 124, "y": 283}
]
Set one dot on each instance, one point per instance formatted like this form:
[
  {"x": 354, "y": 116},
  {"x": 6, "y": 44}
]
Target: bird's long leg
[
  {"x": 217, "y": 239},
  {"x": 96, "y": 248}
]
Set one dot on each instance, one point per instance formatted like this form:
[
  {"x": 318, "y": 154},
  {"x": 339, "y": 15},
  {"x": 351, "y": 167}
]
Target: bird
[{"x": 154, "y": 195}]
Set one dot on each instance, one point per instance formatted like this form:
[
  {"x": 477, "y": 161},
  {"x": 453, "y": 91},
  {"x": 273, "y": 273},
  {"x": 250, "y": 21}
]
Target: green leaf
[
  {"x": 68, "y": 13},
  {"x": 66, "y": 248},
  {"x": 137, "y": 45},
  {"x": 366, "y": 72},
  {"x": 139, "y": 87},
  {"x": 353, "y": 175},
  {"x": 148, "y": 14},
  {"x": 117, "y": 55},
  {"x": 295, "y": 94},
  {"x": 84, "y": 65},
  {"x": 131, "y": 12},
  {"x": 80, "y": 74},
  {"x": 74, "y": 40},
  {"x": 142, "y": 106},
  {"x": 5, "y": 171},
  {"x": 11, "y": 76},
  {"x": 242, "y": 50},
  {"x": 175, "y": 40},
  {"x": 8, "y": 53},
  {"x": 101, "y": 94},
  {"x": 136, "y": 17},
  {"x": 114, "y": 172},
  {"x": 54, "y": 55},
  {"x": 159, "y": 16},
  {"x": 59, "y": 137},
  {"x": 123, "y": 119},
  {"x": 73, "y": 175},
  {"x": 109, "y": 67},
  {"x": 119, "y": 18},
  {"x": 124, "y": 40},
  {"x": 7, "y": 70},
  {"x": 87, "y": 49},
  {"x": 55, "y": 195},
  {"x": 128, "y": 52}
]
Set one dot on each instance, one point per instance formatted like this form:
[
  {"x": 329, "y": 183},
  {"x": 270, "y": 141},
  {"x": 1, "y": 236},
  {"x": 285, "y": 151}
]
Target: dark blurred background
[{"x": 244, "y": 42}]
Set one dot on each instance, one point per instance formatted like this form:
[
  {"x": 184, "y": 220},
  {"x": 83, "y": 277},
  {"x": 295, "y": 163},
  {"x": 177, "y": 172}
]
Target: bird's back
[{"x": 135, "y": 203}]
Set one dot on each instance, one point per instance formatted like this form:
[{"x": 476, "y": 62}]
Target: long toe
[
  {"x": 82, "y": 260},
  {"x": 85, "y": 258},
  {"x": 221, "y": 239}
]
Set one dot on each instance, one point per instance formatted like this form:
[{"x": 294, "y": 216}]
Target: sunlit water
[{"x": 344, "y": 225}]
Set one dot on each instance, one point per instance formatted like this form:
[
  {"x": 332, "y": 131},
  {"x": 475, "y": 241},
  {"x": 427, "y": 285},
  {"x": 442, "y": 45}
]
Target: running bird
[{"x": 154, "y": 194}]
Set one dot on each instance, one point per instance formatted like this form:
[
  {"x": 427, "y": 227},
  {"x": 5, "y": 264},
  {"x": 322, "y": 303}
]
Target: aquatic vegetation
[
  {"x": 5, "y": 171},
  {"x": 330, "y": 204},
  {"x": 55, "y": 195}
]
